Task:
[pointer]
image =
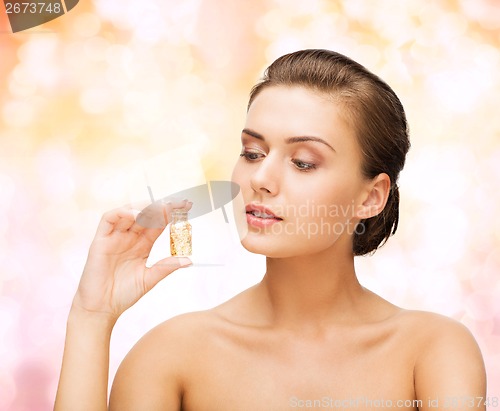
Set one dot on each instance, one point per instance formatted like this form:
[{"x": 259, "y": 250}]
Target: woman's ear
[{"x": 376, "y": 196}]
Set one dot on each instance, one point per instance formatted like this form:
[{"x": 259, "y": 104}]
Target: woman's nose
[{"x": 265, "y": 177}]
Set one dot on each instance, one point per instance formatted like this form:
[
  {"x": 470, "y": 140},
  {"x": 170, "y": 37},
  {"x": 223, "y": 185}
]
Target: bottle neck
[{"x": 179, "y": 216}]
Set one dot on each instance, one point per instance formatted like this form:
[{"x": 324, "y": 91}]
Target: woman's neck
[{"x": 311, "y": 292}]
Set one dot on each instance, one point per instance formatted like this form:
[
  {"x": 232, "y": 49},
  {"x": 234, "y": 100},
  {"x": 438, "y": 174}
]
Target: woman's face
[{"x": 301, "y": 163}]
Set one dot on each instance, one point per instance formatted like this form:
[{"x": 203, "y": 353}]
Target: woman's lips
[
  {"x": 260, "y": 221},
  {"x": 258, "y": 215}
]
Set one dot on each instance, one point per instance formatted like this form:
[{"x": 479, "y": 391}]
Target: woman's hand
[
  {"x": 114, "y": 278},
  {"x": 115, "y": 275}
]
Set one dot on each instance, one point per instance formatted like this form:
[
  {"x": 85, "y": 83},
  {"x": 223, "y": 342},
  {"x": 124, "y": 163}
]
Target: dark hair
[{"x": 373, "y": 110}]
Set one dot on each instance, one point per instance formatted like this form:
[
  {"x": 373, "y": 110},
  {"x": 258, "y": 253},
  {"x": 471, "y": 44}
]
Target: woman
[{"x": 323, "y": 145}]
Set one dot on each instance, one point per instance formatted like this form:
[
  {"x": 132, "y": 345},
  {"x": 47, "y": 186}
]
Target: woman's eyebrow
[
  {"x": 289, "y": 140},
  {"x": 253, "y": 134},
  {"x": 307, "y": 138}
]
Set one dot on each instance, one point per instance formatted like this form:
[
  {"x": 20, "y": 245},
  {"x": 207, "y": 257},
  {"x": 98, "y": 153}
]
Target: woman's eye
[
  {"x": 250, "y": 156},
  {"x": 303, "y": 166}
]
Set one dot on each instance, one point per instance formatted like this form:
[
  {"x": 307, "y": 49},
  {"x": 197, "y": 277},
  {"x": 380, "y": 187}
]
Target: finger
[
  {"x": 174, "y": 205},
  {"x": 155, "y": 215},
  {"x": 158, "y": 214},
  {"x": 162, "y": 268},
  {"x": 150, "y": 233},
  {"x": 120, "y": 219}
]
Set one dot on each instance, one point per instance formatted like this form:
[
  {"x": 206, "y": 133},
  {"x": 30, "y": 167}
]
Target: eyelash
[{"x": 308, "y": 166}]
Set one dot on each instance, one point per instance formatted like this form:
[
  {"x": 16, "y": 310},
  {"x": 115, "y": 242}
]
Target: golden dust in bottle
[{"x": 180, "y": 234}]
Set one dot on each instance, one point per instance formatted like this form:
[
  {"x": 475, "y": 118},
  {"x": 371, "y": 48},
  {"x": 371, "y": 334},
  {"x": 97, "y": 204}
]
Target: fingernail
[{"x": 184, "y": 261}]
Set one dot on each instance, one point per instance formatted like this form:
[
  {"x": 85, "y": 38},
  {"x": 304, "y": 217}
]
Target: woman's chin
[
  {"x": 265, "y": 246},
  {"x": 276, "y": 246},
  {"x": 272, "y": 247}
]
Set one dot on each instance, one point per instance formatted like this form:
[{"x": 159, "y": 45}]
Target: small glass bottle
[{"x": 180, "y": 234}]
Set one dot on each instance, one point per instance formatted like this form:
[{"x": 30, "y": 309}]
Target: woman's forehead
[{"x": 295, "y": 111}]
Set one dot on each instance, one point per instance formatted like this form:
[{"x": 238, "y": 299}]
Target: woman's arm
[
  {"x": 449, "y": 372},
  {"x": 114, "y": 278},
  {"x": 83, "y": 384}
]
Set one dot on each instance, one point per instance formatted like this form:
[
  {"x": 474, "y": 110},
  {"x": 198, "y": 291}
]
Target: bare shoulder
[
  {"x": 448, "y": 362},
  {"x": 153, "y": 374},
  {"x": 426, "y": 321},
  {"x": 435, "y": 335},
  {"x": 432, "y": 330},
  {"x": 163, "y": 362},
  {"x": 174, "y": 340}
]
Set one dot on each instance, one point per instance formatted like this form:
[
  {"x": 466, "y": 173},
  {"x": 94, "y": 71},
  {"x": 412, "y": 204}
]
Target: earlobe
[{"x": 376, "y": 198}]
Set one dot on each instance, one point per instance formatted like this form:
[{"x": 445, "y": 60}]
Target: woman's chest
[{"x": 358, "y": 372}]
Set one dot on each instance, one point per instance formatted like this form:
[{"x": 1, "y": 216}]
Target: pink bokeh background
[{"x": 97, "y": 93}]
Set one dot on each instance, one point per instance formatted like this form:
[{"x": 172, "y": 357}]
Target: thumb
[{"x": 164, "y": 267}]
